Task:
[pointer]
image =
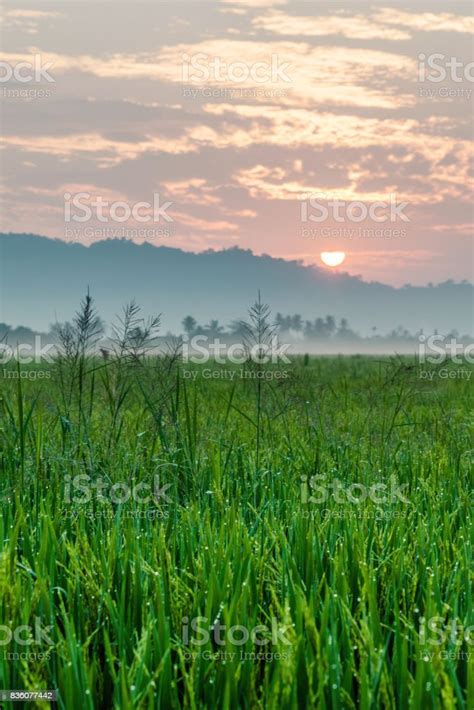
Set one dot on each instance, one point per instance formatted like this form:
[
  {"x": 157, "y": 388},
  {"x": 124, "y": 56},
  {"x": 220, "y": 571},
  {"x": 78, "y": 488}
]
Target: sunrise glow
[{"x": 333, "y": 258}]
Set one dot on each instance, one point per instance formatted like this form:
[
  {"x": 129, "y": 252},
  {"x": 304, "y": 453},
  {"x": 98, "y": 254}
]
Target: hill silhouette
[{"x": 43, "y": 279}]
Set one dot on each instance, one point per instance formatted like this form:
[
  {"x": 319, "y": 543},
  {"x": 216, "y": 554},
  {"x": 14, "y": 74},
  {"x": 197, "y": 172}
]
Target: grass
[{"x": 234, "y": 536}]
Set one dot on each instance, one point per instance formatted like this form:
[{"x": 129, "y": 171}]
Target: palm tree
[
  {"x": 343, "y": 327},
  {"x": 214, "y": 328},
  {"x": 296, "y": 322},
  {"x": 319, "y": 327},
  {"x": 279, "y": 321},
  {"x": 189, "y": 324},
  {"x": 237, "y": 328},
  {"x": 330, "y": 325}
]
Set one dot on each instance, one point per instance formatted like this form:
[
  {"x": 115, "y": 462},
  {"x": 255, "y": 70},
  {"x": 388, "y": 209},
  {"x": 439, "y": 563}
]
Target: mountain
[{"x": 43, "y": 280}]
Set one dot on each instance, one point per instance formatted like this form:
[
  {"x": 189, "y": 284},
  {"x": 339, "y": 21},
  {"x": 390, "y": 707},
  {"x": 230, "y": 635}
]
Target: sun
[{"x": 333, "y": 258}]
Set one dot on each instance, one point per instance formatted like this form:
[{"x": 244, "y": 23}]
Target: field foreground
[{"x": 173, "y": 538}]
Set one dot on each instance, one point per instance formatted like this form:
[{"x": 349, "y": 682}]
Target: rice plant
[{"x": 295, "y": 542}]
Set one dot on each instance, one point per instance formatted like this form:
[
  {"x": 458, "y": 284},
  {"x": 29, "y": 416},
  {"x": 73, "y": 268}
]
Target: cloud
[
  {"x": 323, "y": 75},
  {"x": 426, "y": 21},
  {"x": 27, "y": 21},
  {"x": 202, "y": 224},
  {"x": 377, "y": 25},
  {"x": 32, "y": 14},
  {"x": 193, "y": 191},
  {"x": 251, "y": 4},
  {"x": 263, "y": 182},
  {"x": 299, "y": 127},
  {"x": 417, "y": 164},
  {"x": 347, "y": 25},
  {"x": 464, "y": 228},
  {"x": 104, "y": 151},
  {"x": 349, "y": 122},
  {"x": 290, "y": 73},
  {"x": 370, "y": 156}
]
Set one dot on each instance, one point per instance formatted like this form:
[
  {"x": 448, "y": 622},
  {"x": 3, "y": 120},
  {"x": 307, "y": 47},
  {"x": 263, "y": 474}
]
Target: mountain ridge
[{"x": 43, "y": 279}]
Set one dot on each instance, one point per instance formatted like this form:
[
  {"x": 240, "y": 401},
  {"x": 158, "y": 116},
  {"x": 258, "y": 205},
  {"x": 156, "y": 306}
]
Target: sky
[{"x": 290, "y": 129}]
